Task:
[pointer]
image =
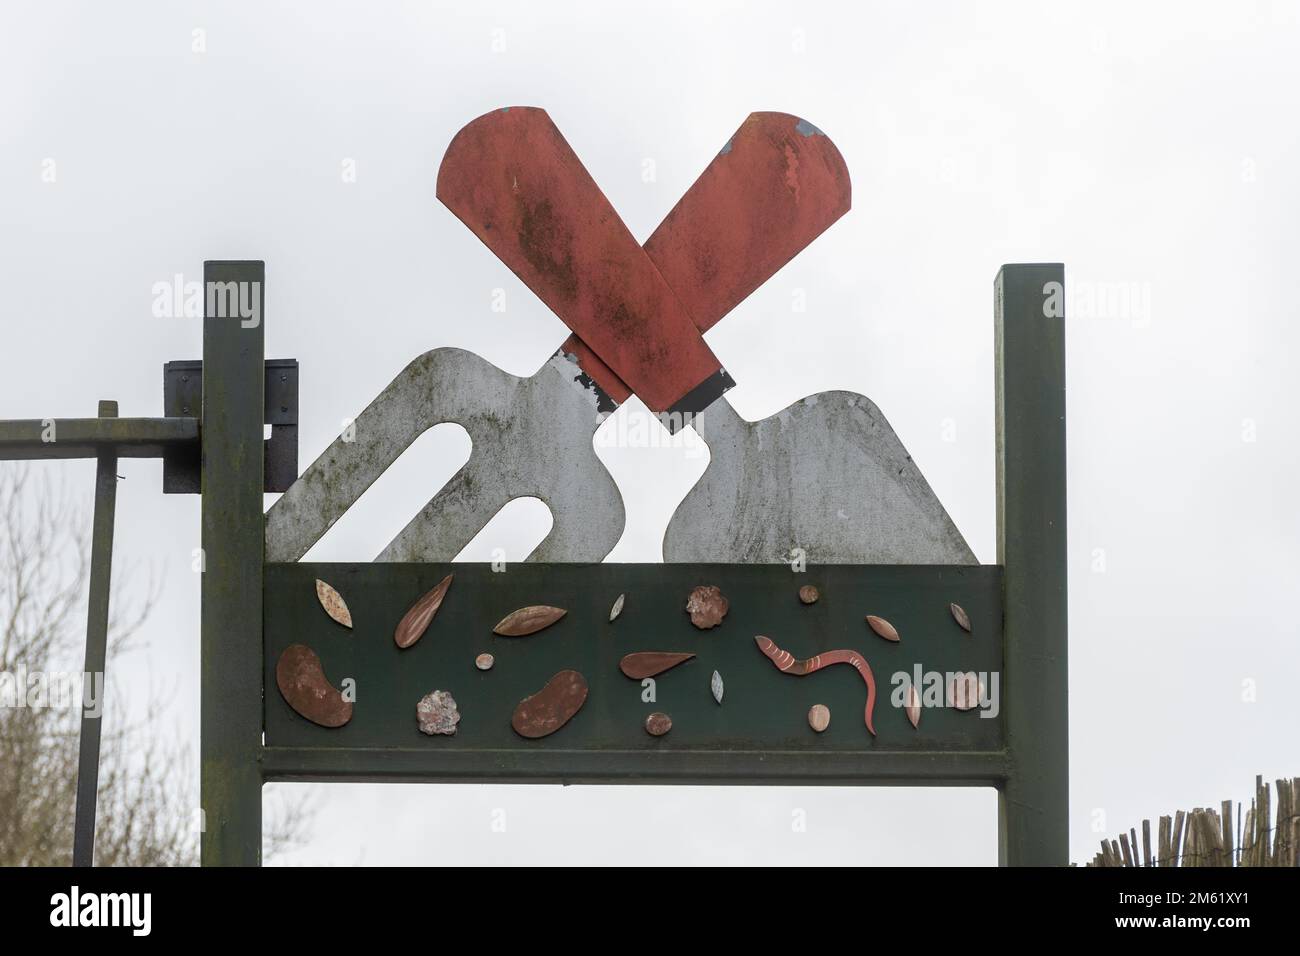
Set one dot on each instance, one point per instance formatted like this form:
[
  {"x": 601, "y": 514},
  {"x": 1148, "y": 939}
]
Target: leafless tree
[{"x": 148, "y": 803}]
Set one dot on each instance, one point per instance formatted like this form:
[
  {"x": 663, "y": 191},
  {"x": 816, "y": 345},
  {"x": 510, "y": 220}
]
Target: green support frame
[{"x": 1022, "y": 601}]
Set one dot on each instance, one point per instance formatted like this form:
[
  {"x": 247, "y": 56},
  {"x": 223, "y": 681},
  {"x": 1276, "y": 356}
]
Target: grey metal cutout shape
[
  {"x": 531, "y": 437},
  {"x": 827, "y": 475}
]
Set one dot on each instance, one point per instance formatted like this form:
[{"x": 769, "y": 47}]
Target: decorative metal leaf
[
  {"x": 333, "y": 603},
  {"x": 645, "y": 664},
  {"x": 715, "y": 685},
  {"x": 819, "y": 717},
  {"x": 417, "y": 620},
  {"x": 960, "y": 616},
  {"x": 617, "y": 609},
  {"x": 913, "y": 706},
  {"x": 528, "y": 620},
  {"x": 883, "y": 628}
]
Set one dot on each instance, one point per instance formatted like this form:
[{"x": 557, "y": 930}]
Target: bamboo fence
[{"x": 1205, "y": 836}]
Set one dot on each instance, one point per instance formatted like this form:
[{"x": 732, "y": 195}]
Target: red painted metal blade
[
  {"x": 777, "y": 185},
  {"x": 516, "y": 183}
]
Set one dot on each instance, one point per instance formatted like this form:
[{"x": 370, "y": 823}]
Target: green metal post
[
  {"x": 231, "y": 640},
  {"x": 1033, "y": 805},
  {"x": 101, "y": 566}
]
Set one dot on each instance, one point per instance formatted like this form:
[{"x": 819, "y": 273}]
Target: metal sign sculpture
[{"x": 810, "y": 538}]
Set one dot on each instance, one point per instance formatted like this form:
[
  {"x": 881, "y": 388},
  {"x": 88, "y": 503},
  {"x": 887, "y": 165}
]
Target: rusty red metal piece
[
  {"x": 511, "y": 177},
  {"x": 786, "y": 663},
  {"x": 417, "y": 620},
  {"x": 551, "y": 707},
  {"x": 777, "y": 185},
  {"x": 302, "y": 683},
  {"x": 645, "y": 664}
]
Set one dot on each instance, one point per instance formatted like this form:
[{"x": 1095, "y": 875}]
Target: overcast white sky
[{"x": 1152, "y": 148}]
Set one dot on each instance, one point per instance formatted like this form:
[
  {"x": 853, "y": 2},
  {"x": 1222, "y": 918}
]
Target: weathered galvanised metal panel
[{"x": 759, "y": 734}]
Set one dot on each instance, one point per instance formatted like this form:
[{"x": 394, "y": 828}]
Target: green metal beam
[
  {"x": 51, "y": 438},
  {"x": 231, "y": 616},
  {"x": 1029, "y": 316}
]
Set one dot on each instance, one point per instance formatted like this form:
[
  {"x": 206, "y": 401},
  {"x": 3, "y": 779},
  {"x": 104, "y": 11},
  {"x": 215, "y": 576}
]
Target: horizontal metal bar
[
  {"x": 798, "y": 768},
  {"x": 42, "y": 438}
]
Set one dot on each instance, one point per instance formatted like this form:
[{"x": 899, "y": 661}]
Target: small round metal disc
[
  {"x": 809, "y": 594},
  {"x": 657, "y": 724},
  {"x": 484, "y": 662},
  {"x": 819, "y": 717}
]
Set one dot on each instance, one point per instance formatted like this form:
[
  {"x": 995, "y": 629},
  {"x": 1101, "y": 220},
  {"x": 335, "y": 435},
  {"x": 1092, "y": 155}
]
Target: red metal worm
[{"x": 785, "y": 662}]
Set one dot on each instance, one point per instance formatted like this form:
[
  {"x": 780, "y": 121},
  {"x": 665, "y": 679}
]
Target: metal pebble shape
[
  {"x": 965, "y": 691},
  {"x": 809, "y": 594},
  {"x": 819, "y": 717},
  {"x": 333, "y": 603},
  {"x": 617, "y": 609},
  {"x": 657, "y": 724},
  {"x": 707, "y": 606},
  {"x": 715, "y": 685},
  {"x": 436, "y": 713},
  {"x": 960, "y": 616},
  {"x": 484, "y": 662}
]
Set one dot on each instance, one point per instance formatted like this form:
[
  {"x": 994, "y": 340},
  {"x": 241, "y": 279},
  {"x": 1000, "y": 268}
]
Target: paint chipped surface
[{"x": 805, "y": 128}]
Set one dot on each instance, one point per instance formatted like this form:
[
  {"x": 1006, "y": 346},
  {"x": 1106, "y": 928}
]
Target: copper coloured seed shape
[
  {"x": 528, "y": 620},
  {"x": 913, "y": 705},
  {"x": 786, "y": 663},
  {"x": 333, "y": 603},
  {"x": 417, "y": 620},
  {"x": 707, "y": 606},
  {"x": 883, "y": 628},
  {"x": 551, "y": 707},
  {"x": 484, "y": 662},
  {"x": 809, "y": 594},
  {"x": 657, "y": 724},
  {"x": 617, "y": 609},
  {"x": 819, "y": 717},
  {"x": 302, "y": 683},
  {"x": 960, "y": 616},
  {"x": 645, "y": 664}
]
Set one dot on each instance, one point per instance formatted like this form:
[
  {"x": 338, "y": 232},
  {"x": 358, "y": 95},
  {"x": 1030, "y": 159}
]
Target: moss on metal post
[
  {"x": 232, "y": 529},
  {"x": 1033, "y": 804}
]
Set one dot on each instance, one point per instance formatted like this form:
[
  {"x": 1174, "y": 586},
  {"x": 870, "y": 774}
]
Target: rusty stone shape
[
  {"x": 819, "y": 717},
  {"x": 417, "y": 620},
  {"x": 436, "y": 713},
  {"x": 333, "y": 603},
  {"x": 965, "y": 691},
  {"x": 302, "y": 683},
  {"x": 707, "y": 606},
  {"x": 657, "y": 724},
  {"x": 484, "y": 662},
  {"x": 551, "y": 707},
  {"x": 617, "y": 609},
  {"x": 645, "y": 664},
  {"x": 960, "y": 616},
  {"x": 809, "y": 594},
  {"x": 528, "y": 620},
  {"x": 913, "y": 705},
  {"x": 883, "y": 628}
]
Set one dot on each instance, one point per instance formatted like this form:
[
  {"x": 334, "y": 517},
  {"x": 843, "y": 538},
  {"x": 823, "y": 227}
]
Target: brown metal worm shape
[{"x": 785, "y": 662}]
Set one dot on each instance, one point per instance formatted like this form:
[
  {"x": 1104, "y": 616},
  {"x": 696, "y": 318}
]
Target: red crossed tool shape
[{"x": 638, "y": 312}]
